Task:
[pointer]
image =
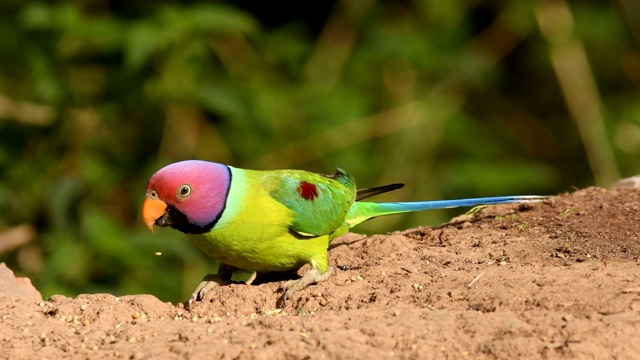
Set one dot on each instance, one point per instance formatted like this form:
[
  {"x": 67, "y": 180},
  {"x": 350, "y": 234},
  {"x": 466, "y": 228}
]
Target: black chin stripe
[{"x": 179, "y": 221}]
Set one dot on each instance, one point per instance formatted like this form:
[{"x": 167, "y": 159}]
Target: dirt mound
[{"x": 552, "y": 279}]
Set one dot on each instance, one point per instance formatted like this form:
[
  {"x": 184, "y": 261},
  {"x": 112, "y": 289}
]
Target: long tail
[{"x": 362, "y": 211}]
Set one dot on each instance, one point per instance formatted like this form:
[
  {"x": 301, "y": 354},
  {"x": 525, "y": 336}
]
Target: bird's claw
[
  {"x": 312, "y": 276},
  {"x": 198, "y": 295},
  {"x": 208, "y": 282},
  {"x": 287, "y": 285},
  {"x": 286, "y": 293}
]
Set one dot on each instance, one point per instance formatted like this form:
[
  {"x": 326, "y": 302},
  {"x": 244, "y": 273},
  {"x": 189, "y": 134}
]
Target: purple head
[{"x": 188, "y": 195}]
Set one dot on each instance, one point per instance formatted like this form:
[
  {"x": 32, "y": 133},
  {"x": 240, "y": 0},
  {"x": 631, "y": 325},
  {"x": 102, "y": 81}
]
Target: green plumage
[
  {"x": 279, "y": 220},
  {"x": 275, "y": 220},
  {"x": 324, "y": 210}
]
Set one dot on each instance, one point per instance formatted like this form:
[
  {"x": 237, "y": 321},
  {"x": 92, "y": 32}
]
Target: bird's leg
[
  {"x": 208, "y": 282},
  {"x": 312, "y": 276},
  {"x": 245, "y": 276},
  {"x": 222, "y": 276}
]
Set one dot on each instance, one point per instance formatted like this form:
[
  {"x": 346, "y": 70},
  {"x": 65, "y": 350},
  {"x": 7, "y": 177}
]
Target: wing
[{"x": 319, "y": 202}]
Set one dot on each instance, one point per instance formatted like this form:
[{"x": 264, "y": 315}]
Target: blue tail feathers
[
  {"x": 362, "y": 211},
  {"x": 446, "y": 204}
]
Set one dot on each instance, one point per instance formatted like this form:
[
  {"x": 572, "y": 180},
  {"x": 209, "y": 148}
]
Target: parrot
[{"x": 259, "y": 221}]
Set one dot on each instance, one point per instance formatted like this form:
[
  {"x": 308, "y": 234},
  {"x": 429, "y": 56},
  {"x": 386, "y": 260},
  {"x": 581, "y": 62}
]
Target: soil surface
[{"x": 556, "y": 279}]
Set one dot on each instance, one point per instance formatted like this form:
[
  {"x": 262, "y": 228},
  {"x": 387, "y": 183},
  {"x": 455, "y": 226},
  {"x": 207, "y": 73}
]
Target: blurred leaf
[
  {"x": 144, "y": 38},
  {"x": 219, "y": 18}
]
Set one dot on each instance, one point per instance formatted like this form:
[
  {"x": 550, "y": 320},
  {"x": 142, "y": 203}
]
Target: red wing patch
[{"x": 307, "y": 191}]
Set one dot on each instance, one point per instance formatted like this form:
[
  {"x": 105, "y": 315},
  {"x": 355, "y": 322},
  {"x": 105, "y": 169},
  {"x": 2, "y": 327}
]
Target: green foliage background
[{"x": 453, "y": 98}]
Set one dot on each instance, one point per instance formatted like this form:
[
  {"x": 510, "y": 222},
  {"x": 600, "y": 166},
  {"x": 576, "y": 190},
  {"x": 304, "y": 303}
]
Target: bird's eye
[
  {"x": 153, "y": 194},
  {"x": 184, "y": 191}
]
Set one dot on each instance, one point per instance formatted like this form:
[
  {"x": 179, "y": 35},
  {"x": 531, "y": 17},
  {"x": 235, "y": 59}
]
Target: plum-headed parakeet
[{"x": 262, "y": 221}]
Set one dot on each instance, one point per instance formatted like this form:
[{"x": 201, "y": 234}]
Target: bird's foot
[
  {"x": 208, "y": 282},
  {"x": 312, "y": 276}
]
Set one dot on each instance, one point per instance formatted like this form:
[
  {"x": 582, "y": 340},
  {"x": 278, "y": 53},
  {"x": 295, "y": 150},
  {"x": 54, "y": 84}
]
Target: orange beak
[{"x": 152, "y": 210}]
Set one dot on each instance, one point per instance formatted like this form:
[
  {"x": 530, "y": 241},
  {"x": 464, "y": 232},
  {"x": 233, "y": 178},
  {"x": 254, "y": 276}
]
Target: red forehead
[{"x": 166, "y": 183}]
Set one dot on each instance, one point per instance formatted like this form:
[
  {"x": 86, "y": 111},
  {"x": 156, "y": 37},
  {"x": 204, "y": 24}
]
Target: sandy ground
[{"x": 558, "y": 279}]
